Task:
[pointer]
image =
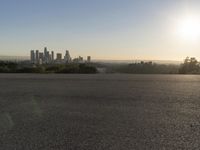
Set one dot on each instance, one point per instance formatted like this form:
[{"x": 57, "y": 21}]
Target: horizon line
[{"x": 102, "y": 59}]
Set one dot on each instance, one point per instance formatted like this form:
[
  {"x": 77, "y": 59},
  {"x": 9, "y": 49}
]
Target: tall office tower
[
  {"x": 45, "y": 54},
  {"x": 50, "y": 58},
  {"x": 59, "y": 57},
  {"x": 67, "y": 57},
  {"x": 37, "y": 56},
  {"x": 32, "y": 56},
  {"x": 52, "y": 55},
  {"x": 89, "y": 59},
  {"x": 45, "y": 51},
  {"x": 41, "y": 58},
  {"x": 47, "y": 57}
]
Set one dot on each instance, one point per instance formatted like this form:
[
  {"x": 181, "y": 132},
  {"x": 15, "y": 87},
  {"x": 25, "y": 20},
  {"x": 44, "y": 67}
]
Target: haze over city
[{"x": 106, "y": 29}]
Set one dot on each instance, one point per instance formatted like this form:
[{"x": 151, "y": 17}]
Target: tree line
[
  {"x": 12, "y": 67},
  {"x": 189, "y": 66}
]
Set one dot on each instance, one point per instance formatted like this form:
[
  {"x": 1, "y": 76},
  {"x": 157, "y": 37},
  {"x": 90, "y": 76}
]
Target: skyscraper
[
  {"x": 52, "y": 55},
  {"x": 50, "y": 58},
  {"x": 45, "y": 51},
  {"x": 89, "y": 59},
  {"x": 37, "y": 56},
  {"x": 67, "y": 57},
  {"x": 41, "y": 58},
  {"x": 45, "y": 54},
  {"x": 59, "y": 57},
  {"x": 47, "y": 57},
  {"x": 32, "y": 56}
]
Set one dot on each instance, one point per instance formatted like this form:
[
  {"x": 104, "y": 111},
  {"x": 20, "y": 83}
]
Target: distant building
[
  {"x": 45, "y": 55},
  {"x": 67, "y": 57},
  {"x": 48, "y": 57},
  {"x": 52, "y": 55},
  {"x": 32, "y": 56},
  {"x": 37, "y": 57},
  {"x": 78, "y": 60},
  {"x": 89, "y": 59},
  {"x": 45, "y": 51},
  {"x": 41, "y": 58},
  {"x": 59, "y": 57}
]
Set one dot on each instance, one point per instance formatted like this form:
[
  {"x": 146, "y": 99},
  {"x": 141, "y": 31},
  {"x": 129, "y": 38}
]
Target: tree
[{"x": 190, "y": 66}]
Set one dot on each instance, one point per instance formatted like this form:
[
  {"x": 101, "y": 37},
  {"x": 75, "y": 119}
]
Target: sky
[{"x": 104, "y": 29}]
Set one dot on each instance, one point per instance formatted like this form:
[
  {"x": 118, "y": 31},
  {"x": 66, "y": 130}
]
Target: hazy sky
[{"x": 104, "y": 29}]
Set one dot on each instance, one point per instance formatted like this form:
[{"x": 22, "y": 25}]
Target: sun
[{"x": 189, "y": 28}]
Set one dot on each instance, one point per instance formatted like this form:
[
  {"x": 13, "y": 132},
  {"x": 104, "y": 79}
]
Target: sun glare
[{"x": 189, "y": 28}]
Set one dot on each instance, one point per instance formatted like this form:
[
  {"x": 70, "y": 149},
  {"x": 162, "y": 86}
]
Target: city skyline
[
  {"x": 50, "y": 57},
  {"x": 106, "y": 29}
]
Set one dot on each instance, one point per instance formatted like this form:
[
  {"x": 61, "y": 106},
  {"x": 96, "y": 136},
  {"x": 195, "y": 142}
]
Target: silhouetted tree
[{"x": 190, "y": 66}]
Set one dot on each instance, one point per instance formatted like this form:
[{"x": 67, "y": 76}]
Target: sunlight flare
[{"x": 189, "y": 28}]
